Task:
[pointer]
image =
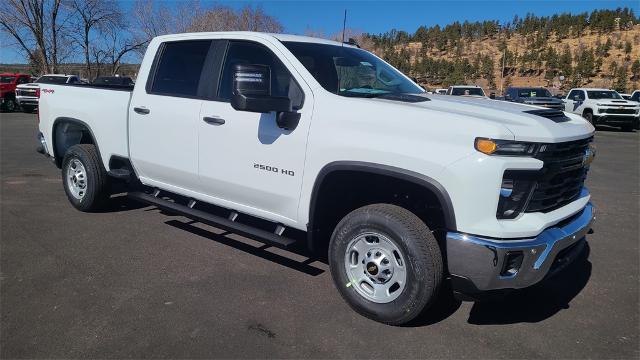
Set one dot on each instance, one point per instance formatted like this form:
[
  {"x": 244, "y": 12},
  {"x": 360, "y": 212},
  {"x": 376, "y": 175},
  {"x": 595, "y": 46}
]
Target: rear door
[{"x": 164, "y": 116}]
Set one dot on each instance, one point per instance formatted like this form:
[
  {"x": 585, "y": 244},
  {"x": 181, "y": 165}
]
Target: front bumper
[
  {"x": 27, "y": 100},
  {"x": 611, "y": 119},
  {"x": 478, "y": 264}
]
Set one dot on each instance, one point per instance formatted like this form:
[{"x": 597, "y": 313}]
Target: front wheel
[
  {"x": 9, "y": 105},
  {"x": 588, "y": 115},
  {"x": 385, "y": 263},
  {"x": 84, "y": 178}
]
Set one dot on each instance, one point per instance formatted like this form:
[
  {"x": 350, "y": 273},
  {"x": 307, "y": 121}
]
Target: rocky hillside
[{"x": 576, "y": 53}]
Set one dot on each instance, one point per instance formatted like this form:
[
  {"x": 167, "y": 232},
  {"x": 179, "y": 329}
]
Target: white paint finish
[
  {"x": 105, "y": 111},
  {"x": 164, "y": 143}
]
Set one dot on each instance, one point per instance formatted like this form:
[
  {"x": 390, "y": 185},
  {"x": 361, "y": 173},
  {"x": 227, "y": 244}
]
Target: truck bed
[{"x": 102, "y": 108}]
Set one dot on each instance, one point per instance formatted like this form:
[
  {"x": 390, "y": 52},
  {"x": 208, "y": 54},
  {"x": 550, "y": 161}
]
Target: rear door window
[{"x": 178, "y": 70}]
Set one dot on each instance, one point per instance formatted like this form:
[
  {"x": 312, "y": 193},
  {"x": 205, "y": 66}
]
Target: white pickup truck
[
  {"x": 285, "y": 135},
  {"x": 603, "y": 106}
]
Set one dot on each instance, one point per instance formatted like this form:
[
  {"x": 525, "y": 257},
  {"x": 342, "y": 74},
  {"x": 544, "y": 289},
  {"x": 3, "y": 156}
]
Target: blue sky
[{"x": 381, "y": 16}]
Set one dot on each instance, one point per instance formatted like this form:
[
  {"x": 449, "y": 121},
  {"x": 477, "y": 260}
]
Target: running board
[{"x": 214, "y": 220}]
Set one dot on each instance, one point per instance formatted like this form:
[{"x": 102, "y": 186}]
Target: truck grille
[
  {"x": 21, "y": 92},
  {"x": 562, "y": 176},
  {"x": 620, "y": 111}
]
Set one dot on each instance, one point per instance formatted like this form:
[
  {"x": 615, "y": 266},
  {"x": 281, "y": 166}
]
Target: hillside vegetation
[{"x": 600, "y": 49}]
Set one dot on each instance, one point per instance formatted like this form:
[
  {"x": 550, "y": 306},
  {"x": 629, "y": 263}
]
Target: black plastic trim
[
  {"x": 402, "y": 174},
  {"x": 214, "y": 220}
]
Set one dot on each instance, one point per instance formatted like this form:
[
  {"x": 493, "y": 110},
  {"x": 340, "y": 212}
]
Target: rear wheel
[
  {"x": 84, "y": 178},
  {"x": 385, "y": 263}
]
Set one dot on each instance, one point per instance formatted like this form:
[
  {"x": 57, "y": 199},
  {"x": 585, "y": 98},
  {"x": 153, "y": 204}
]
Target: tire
[
  {"x": 28, "y": 109},
  {"x": 588, "y": 115},
  {"x": 10, "y": 105},
  {"x": 84, "y": 178},
  {"x": 374, "y": 230}
]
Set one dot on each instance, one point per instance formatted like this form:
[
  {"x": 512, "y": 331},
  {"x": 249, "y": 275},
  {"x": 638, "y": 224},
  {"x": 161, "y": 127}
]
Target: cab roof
[{"x": 241, "y": 34}]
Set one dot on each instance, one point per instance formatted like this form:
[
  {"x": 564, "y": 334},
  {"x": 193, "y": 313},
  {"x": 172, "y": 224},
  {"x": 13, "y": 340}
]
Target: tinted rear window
[{"x": 179, "y": 69}]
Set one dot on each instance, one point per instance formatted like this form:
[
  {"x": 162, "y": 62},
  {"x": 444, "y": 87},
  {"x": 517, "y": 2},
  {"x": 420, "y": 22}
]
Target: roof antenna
[{"x": 344, "y": 25}]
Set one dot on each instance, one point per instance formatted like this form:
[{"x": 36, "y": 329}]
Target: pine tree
[{"x": 620, "y": 84}]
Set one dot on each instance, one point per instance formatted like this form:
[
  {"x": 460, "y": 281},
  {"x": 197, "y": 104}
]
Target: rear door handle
[
  {"x": 141, "y": 110},
  {"x": 213, "y": 120}
]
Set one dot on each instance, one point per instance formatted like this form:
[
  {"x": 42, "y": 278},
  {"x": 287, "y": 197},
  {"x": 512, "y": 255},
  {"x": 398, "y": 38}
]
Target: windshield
[
  {"x": 470, "y": 91},
  {"x": 52, "y": 80},
  {"x": 7, "y": 79},
  {"x": 604, "y": 94},
  {"x": 349, "y": 71},
  {"x": 534, "y": 92}
]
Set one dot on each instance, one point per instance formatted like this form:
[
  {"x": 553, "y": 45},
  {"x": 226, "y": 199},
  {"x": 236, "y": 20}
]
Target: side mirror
[{"x": 252, "y": 90}]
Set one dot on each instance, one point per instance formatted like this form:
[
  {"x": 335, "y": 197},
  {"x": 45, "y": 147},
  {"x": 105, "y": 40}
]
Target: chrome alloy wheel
[
  {"x": 375, "y": 267},
  {"x": 76, "y": 179}
]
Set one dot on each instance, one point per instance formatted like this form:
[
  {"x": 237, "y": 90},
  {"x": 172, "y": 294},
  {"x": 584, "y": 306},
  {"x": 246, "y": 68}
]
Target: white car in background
[
  {"x": 603, "y": 106},
  {"x": 28, "y": 95}
]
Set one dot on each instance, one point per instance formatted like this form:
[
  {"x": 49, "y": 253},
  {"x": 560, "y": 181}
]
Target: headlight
[
  {"x": 514, "y": 193},
  {"x": 505, "y": 147}
]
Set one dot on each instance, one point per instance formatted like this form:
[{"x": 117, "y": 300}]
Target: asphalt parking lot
[{"x": 133, "y": 282}]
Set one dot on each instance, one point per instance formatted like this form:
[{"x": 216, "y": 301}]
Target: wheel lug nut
[{"x": 378, "y": 254}]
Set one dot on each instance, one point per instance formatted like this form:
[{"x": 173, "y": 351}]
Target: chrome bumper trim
[{"x": 481, "y": 260}]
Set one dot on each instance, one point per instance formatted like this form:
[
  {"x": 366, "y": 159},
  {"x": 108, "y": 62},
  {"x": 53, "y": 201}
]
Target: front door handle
[
  {"x": 141, "y": 110},
  {"x": 213, "y": 120}
]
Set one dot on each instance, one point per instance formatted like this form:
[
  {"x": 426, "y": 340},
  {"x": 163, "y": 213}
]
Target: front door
[
  {"x": 163, "y": 117},
  {"x": 247, "y": 163},
  {"x": 574, "y": 101}
]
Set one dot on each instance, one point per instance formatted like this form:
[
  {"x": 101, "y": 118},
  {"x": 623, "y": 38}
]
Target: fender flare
[
  {"x": 380, "y": 169},
  {"x": 58, "y": 121}
]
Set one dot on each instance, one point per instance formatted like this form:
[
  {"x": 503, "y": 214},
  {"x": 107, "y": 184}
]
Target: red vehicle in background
[{"x": 8, "y": 83}]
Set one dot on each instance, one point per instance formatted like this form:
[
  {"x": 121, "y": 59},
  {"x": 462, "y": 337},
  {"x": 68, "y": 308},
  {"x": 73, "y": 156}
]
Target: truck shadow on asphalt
[
  {"x": 538, "y": 302},
  {"x": 261, "y": 251}
]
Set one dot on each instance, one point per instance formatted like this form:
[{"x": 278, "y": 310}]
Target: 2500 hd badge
[{"x": 273, "y": 169}]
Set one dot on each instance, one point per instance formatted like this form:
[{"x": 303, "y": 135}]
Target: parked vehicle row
[
  {"x": 21, "y": 91},
  {"x": 27, "y": 95},
  {"x": 598, "y": 106},
  {"x": 268, "y": 135}
]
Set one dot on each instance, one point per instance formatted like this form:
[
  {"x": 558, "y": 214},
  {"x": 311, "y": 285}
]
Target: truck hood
[{"x": 515, "y": 117}]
